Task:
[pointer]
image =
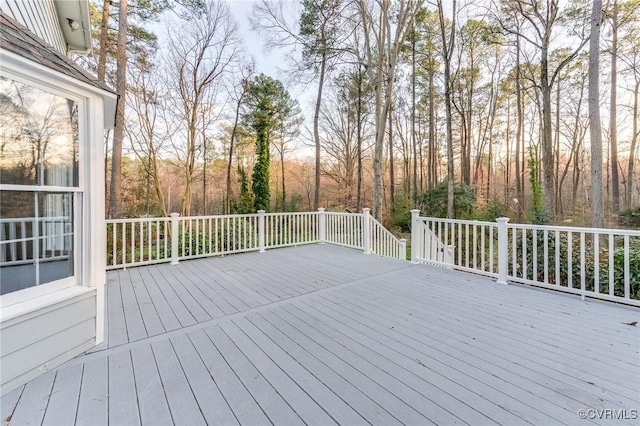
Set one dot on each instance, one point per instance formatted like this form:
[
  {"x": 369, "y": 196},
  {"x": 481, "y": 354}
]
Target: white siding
[
  {"x": 40, "y": 17},
  {"x": 42, "y": 340}
]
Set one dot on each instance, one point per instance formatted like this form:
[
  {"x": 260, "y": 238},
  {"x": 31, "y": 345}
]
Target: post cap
[
  {"x": 366, "y": 210},
  {"x": 415, "y": 212},
  {"x": 320, "y": 209},
  {"x": 262, "y": 211},
  {"x": 502, "y": 219},
  {"x": 174, "y": 214}
]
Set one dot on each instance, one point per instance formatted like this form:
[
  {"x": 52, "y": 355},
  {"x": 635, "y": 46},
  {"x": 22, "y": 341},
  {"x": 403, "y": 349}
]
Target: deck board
[
  {"x": 152, "y": 402},
  {"x": 150, "y": 316},
  {"x": 211, "y": 402},
  {"x": 268, "y": 398},
  {"x": 123, "y": 401},
  {"x": 321, "y": 335},
  {"x": 520, "y": 341},
  {"x": 93, "y": 405},
  {"x": 483, "y": 344},
  {"x": 182, "y": 403},
  {"x": 62, "y": 408},
  {"x": 32, "y": 406}
]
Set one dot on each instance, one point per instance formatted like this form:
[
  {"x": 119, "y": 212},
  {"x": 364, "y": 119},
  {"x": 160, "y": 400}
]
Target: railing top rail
[
  {"x": 217, "y": 216},
  {"x": 291, "y": 213},
  {"x": 577, "y": 229},
  {"x": 343, "y": 214},
  {"x": 470, "y": 222},
  {"x": 139, "y": 219}
]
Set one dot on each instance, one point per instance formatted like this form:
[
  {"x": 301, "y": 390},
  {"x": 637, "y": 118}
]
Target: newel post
[
  {"x": 366, "y": 230},
  {"x": 322, "y": 226},
  {"x": 403, "y": 248},
  {"x": 261, "y": 230},
  {"x": 415, "y": 235},
  {"x": 174, "y": 238},
  {"x": 503, "y": 255}
]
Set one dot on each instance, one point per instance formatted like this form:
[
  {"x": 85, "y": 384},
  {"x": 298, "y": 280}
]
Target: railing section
[
  {"x": 140, "y": 241},
  {"x": 145, "y": 241},
  {"x": 202, "y": 236},
  {"x": 290, "y": 229},
  {"x": 345, "y": 229},
  {"x": 598, "y": 263},
  {"x": 23, "y": 239},
  {"x": 465, "y": 246},
  {"x": 384, "y": 243}
]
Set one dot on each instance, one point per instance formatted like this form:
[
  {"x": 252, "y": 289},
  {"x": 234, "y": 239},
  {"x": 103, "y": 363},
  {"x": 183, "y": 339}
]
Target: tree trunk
[
  {"x": 392, "y": 177},
  {"x": 413, "y": 123},
  {"x": 519, "y": 136},
  {"x": 613, "y": 131},
  {"x": 104, "y": 38},
  {"x": 447, "y": 48},
  {"x": 234, "y": 131},
  {"x": 316, "y": 131},
  {"x": 284, "y": 188},
  {"x": 547, "y": 135},
  {"x": 558, "y": 188},
  {"x": 432, "y": 178},
  {"x": 595, "y": 131},
  {"x": 359, "y": 136},
  {"x": 634, "y": 143},
  {"x": 115, "y": 188}
]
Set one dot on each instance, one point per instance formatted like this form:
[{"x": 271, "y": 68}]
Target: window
[{"x": 39, "y": 186}]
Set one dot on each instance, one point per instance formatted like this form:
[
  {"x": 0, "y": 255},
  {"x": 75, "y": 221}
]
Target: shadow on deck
[{"x": 323, "y": 335}]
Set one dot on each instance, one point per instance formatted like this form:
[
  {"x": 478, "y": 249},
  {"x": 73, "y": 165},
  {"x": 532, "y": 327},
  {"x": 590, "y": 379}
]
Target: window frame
[{"x": 47, "y": 83}]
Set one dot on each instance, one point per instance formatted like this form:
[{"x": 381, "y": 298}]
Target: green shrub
[
  {"x": 629, "y": 218},
  {"x": 433, "y": 202}
]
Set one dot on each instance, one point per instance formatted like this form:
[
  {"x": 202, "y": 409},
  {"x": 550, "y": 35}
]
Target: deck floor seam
[{"x": 215, "y": 321}]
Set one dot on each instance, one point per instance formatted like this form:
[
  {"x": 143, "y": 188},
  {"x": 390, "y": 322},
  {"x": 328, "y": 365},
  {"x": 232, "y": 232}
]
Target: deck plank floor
[{"x": 322, "y": 335}]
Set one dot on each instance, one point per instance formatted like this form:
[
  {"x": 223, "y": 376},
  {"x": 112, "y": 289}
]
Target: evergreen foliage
[
  {"x": 269, "y": 105},
  {"x": 433, "y": 202},
  {"x": 245, "y": 201}
]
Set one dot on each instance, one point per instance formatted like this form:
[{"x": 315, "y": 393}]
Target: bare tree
[
  {"x": 201, "y": 52},
  {"x": 146, "y": 131},
  {"x": 541, "y": 18},
  {"x": 384, "y": 31}
]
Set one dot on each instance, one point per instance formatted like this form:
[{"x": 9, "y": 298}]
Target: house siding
[
  {"x": 39, "y": 16},
  {"x": 43, "y": 339}
]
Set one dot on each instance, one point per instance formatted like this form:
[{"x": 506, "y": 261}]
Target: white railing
[
  {"x": 345, "y": 229},
  {"x": 139, "y": 241},
  {"x": 463, "y": 245},
  {"x": 597, "y": 263},
  {"x": 54, "y": 237},
  {"x": 290, "y": 229},
  {"x": 383, "y": 242},
  {"x": 202, "y": 236},
  {"x": 145, "y": 241}
]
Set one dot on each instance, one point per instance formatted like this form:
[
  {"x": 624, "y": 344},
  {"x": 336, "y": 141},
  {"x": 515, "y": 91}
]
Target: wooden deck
[{"x": 322, "y": 335}]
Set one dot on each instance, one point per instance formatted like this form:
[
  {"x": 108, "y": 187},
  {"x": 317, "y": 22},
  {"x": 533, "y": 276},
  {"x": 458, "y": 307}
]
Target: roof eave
[{"x": 76, "y": 11}]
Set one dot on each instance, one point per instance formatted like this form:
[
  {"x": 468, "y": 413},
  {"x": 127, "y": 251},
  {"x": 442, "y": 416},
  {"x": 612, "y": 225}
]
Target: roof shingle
[{"x": 17, "y": 38}]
